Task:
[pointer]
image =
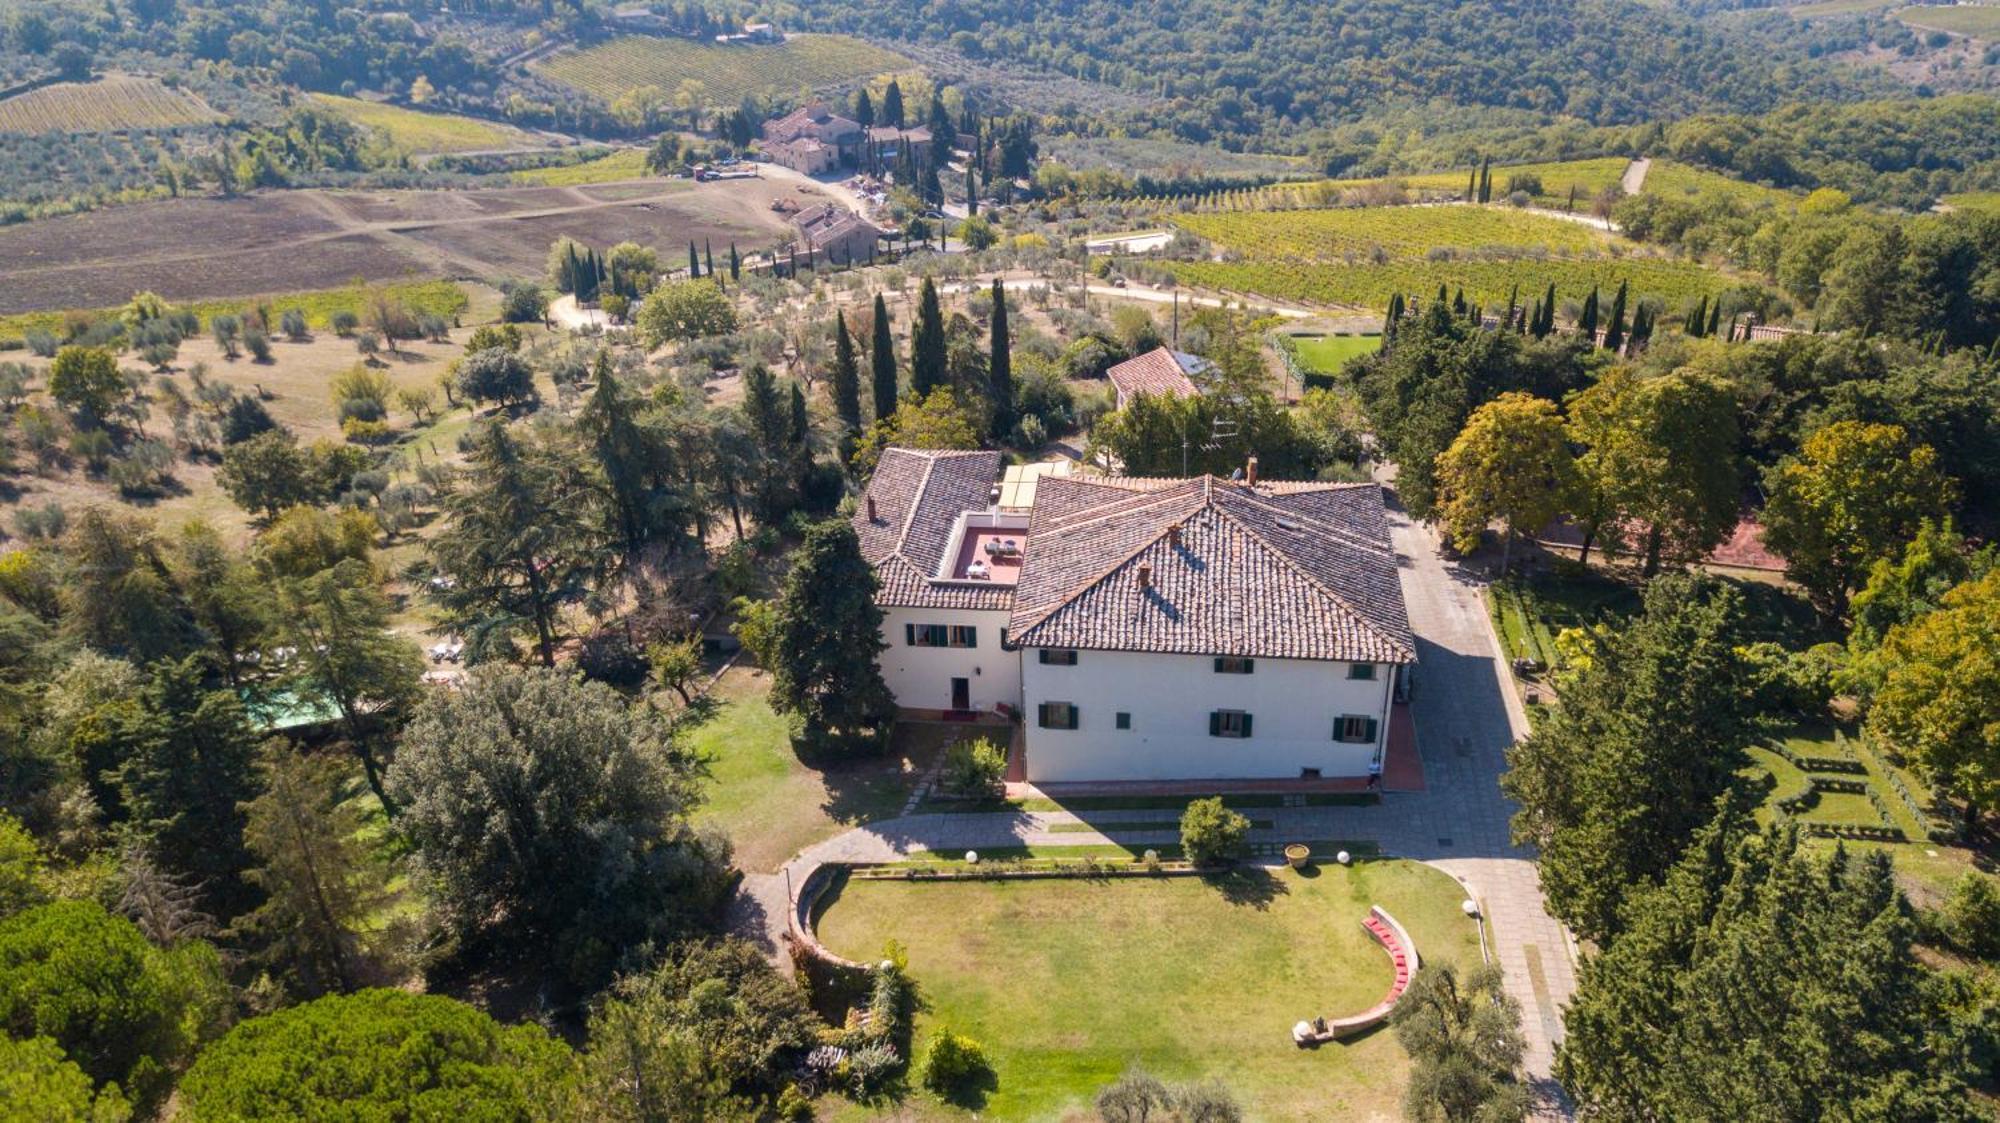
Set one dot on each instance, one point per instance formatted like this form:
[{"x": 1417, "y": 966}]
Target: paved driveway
[{"x": 1466, "y": 716}]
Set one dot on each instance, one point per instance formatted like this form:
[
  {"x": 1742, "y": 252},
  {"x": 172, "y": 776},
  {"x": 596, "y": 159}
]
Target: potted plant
[{"x": 1298, "y": 854}]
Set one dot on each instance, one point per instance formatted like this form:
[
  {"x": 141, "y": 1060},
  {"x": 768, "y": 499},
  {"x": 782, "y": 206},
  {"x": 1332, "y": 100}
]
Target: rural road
[
  {"x": 1635, "y": 175},
  {"x": 1467, "y": 714}
]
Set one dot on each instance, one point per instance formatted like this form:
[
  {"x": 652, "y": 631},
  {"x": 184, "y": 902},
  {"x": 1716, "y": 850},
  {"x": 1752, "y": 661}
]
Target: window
[
  {"x": 1056, "y": 715},
  {"x": 940, "y": 635},
  {"x": 1354, "y": 729},
  {"x": 1228, "y": 723},
  {"x": 1059, "y": 656},
  {"x": 1234, "y": 665},
  {"x": 1364, "y": 672},
  {"x": 1124, "y": 720}
]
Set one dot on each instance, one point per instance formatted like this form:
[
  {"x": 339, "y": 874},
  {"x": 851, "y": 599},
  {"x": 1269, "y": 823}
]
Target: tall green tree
[
  {"x": 1854, "y": 495},
  {"x": 634, "y": 460},
  {"x": 829, "y": 643},
  {"x": 882, "y": 358},
  {"x": 545, "y": 813},
  {"x": 1511, "y": 463},
  {"x": 1614, "y": 331},
  {"x": 320, "y": 883},
  {"x": 846, "y": 376},
  {"x": 1612, "y": 783},
  {"x": 522, "y": 543},
  {"x": 338, "y": 621},
  {"x": 1000, "y": 367},
  {"x": 1763, "y": 981},
  {"x": 767, "y": 409},
  {"x": 927, "y": 342},
  {"x": 1939, "y": 693},
  {"x": 1660, "y": 451}
]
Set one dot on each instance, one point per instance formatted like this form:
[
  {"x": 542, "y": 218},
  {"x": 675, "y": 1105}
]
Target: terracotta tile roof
[
  {"x": 1159, "y": 371},
  {"x": 1301, "y": 571},
  {"x": 918, "y": 497},
  {"x": 826, "y": 224}
]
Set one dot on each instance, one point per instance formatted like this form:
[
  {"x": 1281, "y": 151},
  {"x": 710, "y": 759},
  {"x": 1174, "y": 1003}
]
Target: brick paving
[{"x": 1465, "y": 714}]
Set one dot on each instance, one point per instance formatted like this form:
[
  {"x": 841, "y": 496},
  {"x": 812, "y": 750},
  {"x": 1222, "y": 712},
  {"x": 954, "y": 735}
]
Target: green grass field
[
  {"x": 111, "y": 103},
  {"x": 1984, "y": 202},
  {"x": 1369, "y": 285},
  {"x": 1362, "y": 233},
  {"x": 727, "y": 73},
  {"x": 1840, "y": 7},
  {"x": 1328, "y": 353},
  {"x": 414, "y": 131},
  {"x": 626, "y": 163},
  {"x": 1979, "y": 21},
  {"x": 770, "y": 803},
  {"x": 440, "y": 298},
  {"x": 1671, "y": 179},
  {"x": 1067, "y": 983}
]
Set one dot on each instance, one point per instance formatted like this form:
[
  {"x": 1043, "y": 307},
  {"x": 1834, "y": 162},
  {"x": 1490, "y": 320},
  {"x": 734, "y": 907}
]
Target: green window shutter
[
  {"x": 1215, "y": 723},
  {"x": 1246, "y": 725},
  {"x": 1249, "y": 666},
  {"x": 1042, "y": 715},
  {"x": 1075, "y": 718},
  {"x": 909, "y": 635},
  {"x": 1370, "y": 738},
  {"x": 971, "y": 637}
]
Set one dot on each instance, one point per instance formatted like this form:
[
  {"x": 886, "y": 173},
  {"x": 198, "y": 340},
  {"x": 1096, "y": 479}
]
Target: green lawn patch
[
  {"x": 1326, "y": 354},
  {"x": 769, "y": 802},
  {"x": 1066, "y": 983}
]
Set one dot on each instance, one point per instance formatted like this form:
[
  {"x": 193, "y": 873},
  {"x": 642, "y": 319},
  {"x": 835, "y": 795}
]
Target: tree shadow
[
  {"x": 1247, "y": 886},
  {"x": 973, "y": 1090}
]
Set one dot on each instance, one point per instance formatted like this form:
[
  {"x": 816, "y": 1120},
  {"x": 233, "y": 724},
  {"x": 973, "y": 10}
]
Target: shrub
[
  {"x": 344, "y": 322},
  {"x": 258, "y": 344},
  {"x": 954, "y": 1065},
  {"x": 973, "y": 770},
  {"x": 524, "y": 303},
  {"x": 293, "y": 323},
  {"x": 872, "y": 1067},
  {"x": 364, "y": 432},
  {"x": 1970, "y": 915},
  {"x": 1211, "y": 833}
]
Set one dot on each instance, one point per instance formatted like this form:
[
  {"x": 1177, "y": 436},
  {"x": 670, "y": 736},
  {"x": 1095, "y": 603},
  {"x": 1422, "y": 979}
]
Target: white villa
[{"x": 1143, "y": 629}]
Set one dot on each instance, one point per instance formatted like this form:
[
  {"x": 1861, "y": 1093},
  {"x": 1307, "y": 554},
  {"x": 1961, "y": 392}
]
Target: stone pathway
[{"x": 1466, "y": 715}]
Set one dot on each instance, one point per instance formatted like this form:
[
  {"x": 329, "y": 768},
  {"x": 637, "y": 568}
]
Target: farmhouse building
[
  {"x": 1142, "y": 629},
  {"x": 812, "y": 139},
  {"x": 1162, "y": 372},
  {"x": 835, "y": 234}
]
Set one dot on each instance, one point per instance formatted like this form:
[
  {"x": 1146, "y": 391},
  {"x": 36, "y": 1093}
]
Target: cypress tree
[
  {"x": 892, "y": 105},
  {"x": 971, "y": 192},
  {"x": 1548, "y": 323},
  {"x": 1486, "y": 179},
  {"x": 1513, "y": 303},
  {"x": 1586, "y": 323},
  {"x": 1614, "y": 332},
  {"x": 846, "y": 375},
  {"x": 707, "y": 258},
  {"x": 1472, "y": 186},
  {"x": 735, "y": 264},
  {"x": 694, "y": 263},
  {"x": 882, "y": 355},
  {"x": 1715, "y": 320},
  {"x": 1000, "y": 367},
  {"x": 927, "y": 344},
  {"x": 1458, "y": 307},
  {"x": 864, "y": 109},
  {"x": 1697, "y": 320}
]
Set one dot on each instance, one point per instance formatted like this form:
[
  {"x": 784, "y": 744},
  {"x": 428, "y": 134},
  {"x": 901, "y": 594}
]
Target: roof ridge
[
  {"x": 1076, "y": 590},
  {"x": 1139, "y": 500},
  {"x": 1292, "y": 564},
  {"x": 1283, "y": 512},
  {"x": 916, "y": 504}
]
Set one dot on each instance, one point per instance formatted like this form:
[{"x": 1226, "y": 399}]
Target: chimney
[
  {"x": 1174, "y": 535},
  {"x": 871, "y": 509},
  {"x": 1250, "y": 473},
  {"x": 1145, "y": 577}
]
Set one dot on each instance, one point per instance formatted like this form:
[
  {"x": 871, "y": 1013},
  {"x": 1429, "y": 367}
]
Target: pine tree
[
  {"x": 829, "y": 641},
  {"x": 1614, "y": 332},
  {"x": 882, "y": 358},
  {"x": 927, "y": 342},
  {"x": 1000, "y": 367},
  {"x": 846, "y": 376}
]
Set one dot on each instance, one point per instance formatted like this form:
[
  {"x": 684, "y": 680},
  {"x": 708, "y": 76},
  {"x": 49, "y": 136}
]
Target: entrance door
[{"x": 961, "y": 694}]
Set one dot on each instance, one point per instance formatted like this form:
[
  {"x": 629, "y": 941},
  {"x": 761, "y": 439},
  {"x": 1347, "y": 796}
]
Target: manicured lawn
[
  {"x": 769, "y": 802},
  {"x": 1328, "y": 353},
  {"x": 1068, "y": 983}
]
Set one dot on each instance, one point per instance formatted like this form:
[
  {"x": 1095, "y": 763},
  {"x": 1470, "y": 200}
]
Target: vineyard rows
[
  {"x": 110, "y": 104},
  {"x": 436, "y": 298},
  {"x": 1486, "y": 282},
  {"x": 727, "y": 73},
  {"x": 1370, "y": 233}
]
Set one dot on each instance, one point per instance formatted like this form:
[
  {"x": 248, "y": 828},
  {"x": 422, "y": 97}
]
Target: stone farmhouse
[
  {"x": 835, "y": 234},
  {"x": 1160, "y": 372},
  {"x": 1142, "y": 630},
  {"x": 812, "y": 139}
]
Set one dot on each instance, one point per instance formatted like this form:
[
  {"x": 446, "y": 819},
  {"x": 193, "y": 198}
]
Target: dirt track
[{"x": 188, "y": 249}]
